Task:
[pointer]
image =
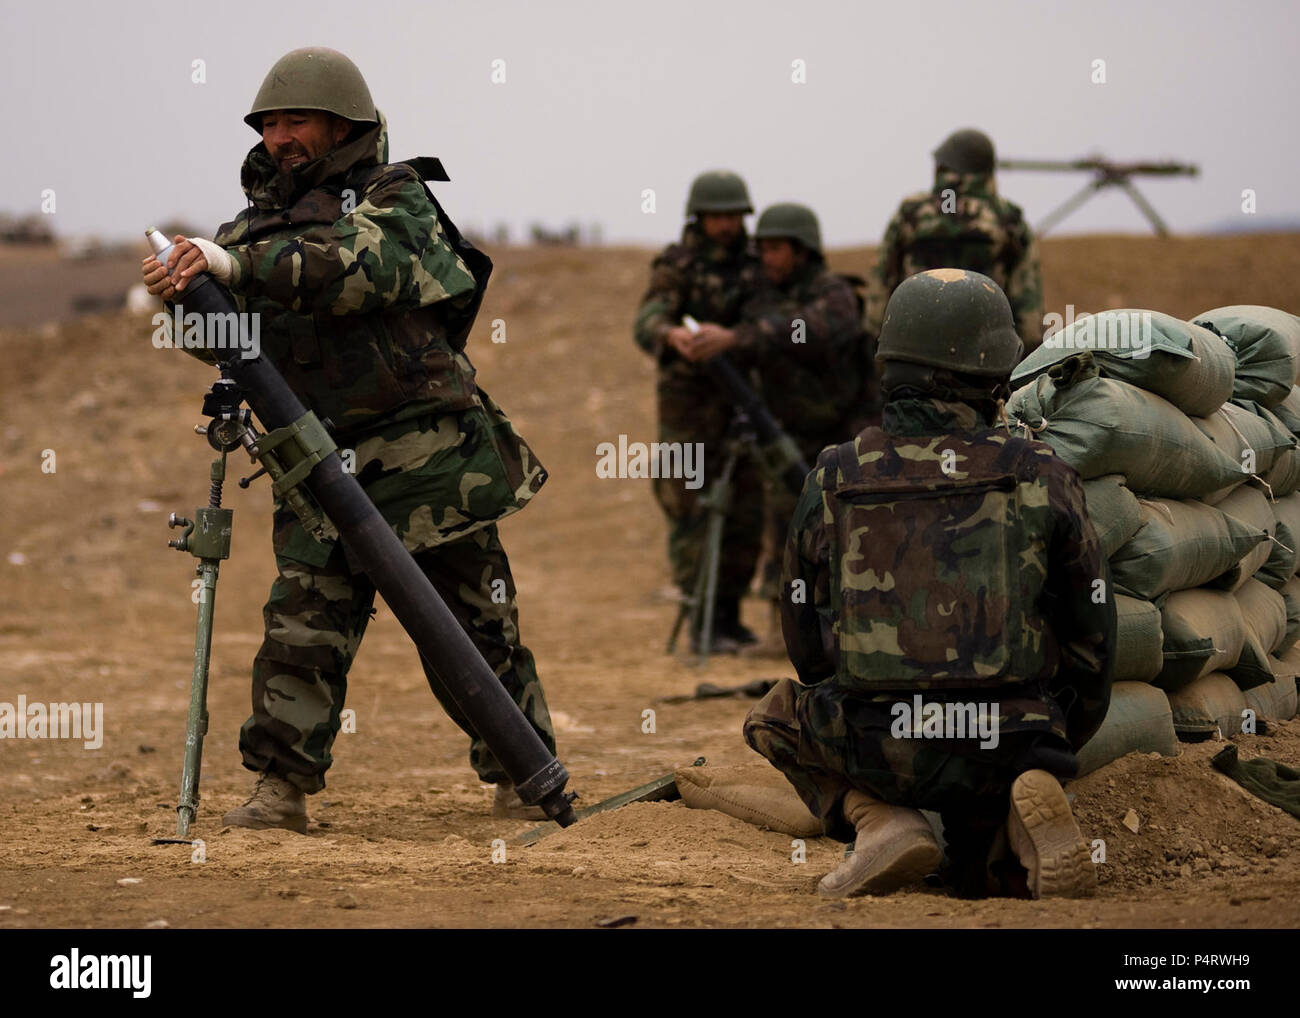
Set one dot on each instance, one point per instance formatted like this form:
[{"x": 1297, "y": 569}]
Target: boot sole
[
  {"x": 1042, "y": 827},
  {"x": 912, "y": 858},
  {"x": 296, "y": 824}
]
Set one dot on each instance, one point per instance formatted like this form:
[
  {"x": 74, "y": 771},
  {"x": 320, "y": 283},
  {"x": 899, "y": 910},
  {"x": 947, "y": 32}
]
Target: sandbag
[
  {"x": 1275, "y": 701},
  {"x": 1114, "y": 511},
  {"x": 1188, "y": 365},
  {"x": 1288, "y": 411},
  {"x": 1211, "y": 704},
  {"x": 1284, "y": 556},
  {"x": 1105, "y": 426},
  {"x": 1139, "y": 642},
  {"x": 1182, "y": 545},
  {"x": 1138, "y": 720},
  {"x": 1204, "y": 631},
  {"x": 1252, "y": 440},
  {"x": 1253, "y": 668},
  {"x": 759, "y": 794},
  {"x": 1266, "y": 344},
  {"x": 1283, "y": 475},
  {"x": 1265, "y": 614},
  {"x": 1291, "y": 596},
  {"x": 1250, "y": 506}
]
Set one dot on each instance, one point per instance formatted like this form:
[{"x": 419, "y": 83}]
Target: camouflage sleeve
[
  {"x": 886, "y": 275},
  {"x": 1080, "y": 608},
  {"x": 661, "y": 307},
  {"x": 806, "y": 611},
  {"x": 826, "y": 327},
  {"x": 389, "y": 253},
  {"x": 1025, "y": 291}
]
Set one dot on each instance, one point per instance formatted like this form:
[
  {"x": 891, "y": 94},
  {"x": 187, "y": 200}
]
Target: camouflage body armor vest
[
  {"x": 938, "y": 561},
  {"x": 968, "y": 231}
]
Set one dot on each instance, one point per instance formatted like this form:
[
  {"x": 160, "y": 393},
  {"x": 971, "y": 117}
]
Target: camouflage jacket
[
  {"x": 990, "y": 592},
  {"x": 699, "y": 278},
  {"x": 807, "y": 342},
  {"x": 366, "y": 313},
  {"x": 962, "y": 223},
  {"x": 365, "y": 304}
]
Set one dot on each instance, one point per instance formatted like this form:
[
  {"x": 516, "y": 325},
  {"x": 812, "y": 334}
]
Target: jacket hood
[{"x": 268, "y": 188}]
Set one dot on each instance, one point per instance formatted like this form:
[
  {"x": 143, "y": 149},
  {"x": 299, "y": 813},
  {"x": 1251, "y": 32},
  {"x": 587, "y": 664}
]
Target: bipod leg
[
  {"x": 197, "y": 725},
  {"x": 706, "y": 586},
  {"x": 208, "y": 540}
]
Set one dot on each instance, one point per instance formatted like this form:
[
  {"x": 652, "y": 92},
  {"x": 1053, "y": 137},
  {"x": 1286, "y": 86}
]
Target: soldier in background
[
  {"x": 708, "y": 274},
  {"x": 938, "y": 563},
  {"x": 962, "y": 222},
  {"x": 802, "y": 332},
  {"x": 366, "y": 293}
]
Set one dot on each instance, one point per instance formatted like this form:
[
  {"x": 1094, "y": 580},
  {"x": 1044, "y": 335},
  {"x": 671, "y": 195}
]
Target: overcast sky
[{"x": 604, "y": 100}]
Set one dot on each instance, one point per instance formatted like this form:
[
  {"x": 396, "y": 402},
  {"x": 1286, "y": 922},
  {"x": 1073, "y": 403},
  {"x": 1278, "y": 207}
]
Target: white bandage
[{"x": 219, "y": 263}]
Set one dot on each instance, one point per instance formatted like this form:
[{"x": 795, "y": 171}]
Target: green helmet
[
  {"x": 314, "y": 78},
  {"x": 966, "y": 151},
  {"x": 718, "y": 191},
  {"x": 792, "y": 222},
  {"x": 954, "y": 319}
]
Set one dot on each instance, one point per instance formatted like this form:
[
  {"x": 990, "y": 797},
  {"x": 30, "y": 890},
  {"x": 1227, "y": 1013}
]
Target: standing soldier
[
  {"x": 366, "y": 292},
  {"x": 946, "y": 605},
  {"x": 708, "y": 275},
  {"x": 803, "y": 331},
  {"x": 963, "y": 223}
]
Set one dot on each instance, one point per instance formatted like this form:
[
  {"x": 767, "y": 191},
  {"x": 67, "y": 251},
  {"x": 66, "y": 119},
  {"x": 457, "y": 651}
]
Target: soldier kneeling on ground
[{"x": 947, "y": 607}]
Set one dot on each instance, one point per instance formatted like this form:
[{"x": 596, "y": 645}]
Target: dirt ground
[{"x": 95, "y": 607}]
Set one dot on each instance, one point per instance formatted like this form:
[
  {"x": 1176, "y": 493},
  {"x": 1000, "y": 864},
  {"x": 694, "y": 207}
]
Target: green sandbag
[
  {"x": 1203, "y": 632},
  {"x": 1105, "y": 426},
  {"x": 1291, "y": 595},
  {"x": 1265, "y": 614},
  {"x": 1250, "y": 505},
  {"x": 1266, "y": 342},
  {"x": 1288, "y": 411},
  {"x": 1211, "y": 704},
  {"x": 1182, "y": 545},
  {"x": 1138, "y": 720},
  {"x": 1275, "y": 701},
  {"x": 1284, "y": 557},
  {"x": 1189, "y": 366},
  {"x": 1283, "y": 475},
  {"x": 1250, "y": 439},
  {"x": 1114, "y": 511},
  {"x": 1139, "y": 642},
  {"x": 1265, "y": 625}
]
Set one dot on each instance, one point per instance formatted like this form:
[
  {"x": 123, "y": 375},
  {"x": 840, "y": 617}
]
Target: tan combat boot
[
  {"x": 895, "y": 847},
  {"x": 507, "y": 804},
  {"x": 274, "y": 803},
  {"x": 1046, "y": 839}
]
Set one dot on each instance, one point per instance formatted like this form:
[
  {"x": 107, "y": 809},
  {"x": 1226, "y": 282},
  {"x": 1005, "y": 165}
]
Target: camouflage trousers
[
  {"x": 691, "y": 411},
  {"x": 967, "y": 786},
  {"x": 315, "y": 619}
]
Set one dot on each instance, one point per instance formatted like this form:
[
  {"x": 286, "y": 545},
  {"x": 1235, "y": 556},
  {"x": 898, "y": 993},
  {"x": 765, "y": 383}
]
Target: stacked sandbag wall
[{"x": 1187, "y": 438}]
